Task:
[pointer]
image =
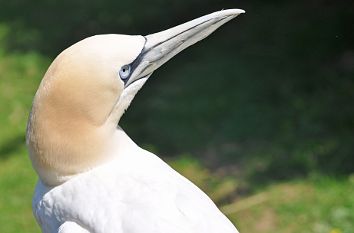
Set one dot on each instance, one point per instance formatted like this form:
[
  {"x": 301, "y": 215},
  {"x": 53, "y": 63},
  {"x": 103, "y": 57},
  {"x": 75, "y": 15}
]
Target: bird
[{"x": 92, "y": 176}]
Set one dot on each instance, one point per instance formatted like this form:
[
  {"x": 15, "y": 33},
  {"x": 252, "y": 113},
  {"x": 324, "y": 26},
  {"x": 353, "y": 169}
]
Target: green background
[{"x": 259, "y": 115}]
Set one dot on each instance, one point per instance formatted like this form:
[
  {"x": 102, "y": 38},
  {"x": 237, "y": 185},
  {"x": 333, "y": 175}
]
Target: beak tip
[{"x": 232, "y": 12}]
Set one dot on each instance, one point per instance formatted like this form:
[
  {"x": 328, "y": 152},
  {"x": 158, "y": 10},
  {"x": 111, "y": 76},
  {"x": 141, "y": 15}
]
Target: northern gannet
[{"x": 92, "y": 176}]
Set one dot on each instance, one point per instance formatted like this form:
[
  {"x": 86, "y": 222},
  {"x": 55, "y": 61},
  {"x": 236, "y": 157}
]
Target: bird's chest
[{"x": 102, "y": 202}]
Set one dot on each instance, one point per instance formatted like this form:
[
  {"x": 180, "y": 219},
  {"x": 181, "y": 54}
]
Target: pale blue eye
[{"x": 124, "y": 72}]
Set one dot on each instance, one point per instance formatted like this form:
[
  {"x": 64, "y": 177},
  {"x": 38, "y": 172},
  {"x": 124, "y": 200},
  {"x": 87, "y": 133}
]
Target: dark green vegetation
[{"x": 259, "y": 114}]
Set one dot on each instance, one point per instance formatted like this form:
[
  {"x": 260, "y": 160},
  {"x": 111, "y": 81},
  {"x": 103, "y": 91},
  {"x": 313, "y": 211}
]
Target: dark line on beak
[
  {"x": 144, "y": 51},
  {"x": 136, "y": 80}
]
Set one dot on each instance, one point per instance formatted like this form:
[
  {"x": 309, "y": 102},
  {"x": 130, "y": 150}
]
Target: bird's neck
[
  {"x": 122, "y": 144},
  {"x": 59, "y": 153}
]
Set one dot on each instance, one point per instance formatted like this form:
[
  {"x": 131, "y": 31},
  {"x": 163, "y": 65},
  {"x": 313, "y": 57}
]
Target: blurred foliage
[
  {"x": 318, "y": 205},
  {"x": 268, "y": 98},
  {"x": 50, "y": 26},
  {"x": 272, "y": 94},
  {"x": 17, "y": 182},
  {"x": 219, "y": 187},
  {"x": 20, "y": 74}
]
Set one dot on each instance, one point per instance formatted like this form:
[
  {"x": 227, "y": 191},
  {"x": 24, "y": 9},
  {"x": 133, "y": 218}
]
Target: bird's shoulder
[
  {"x": 139, "y": 188},
  {"x": 71, "y": 227}
]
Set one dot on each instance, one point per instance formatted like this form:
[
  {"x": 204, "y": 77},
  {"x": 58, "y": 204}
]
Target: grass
[
  {"x": 317, "y": 204},
  {"x": 17, "y": 180},
  {"x": 261, "y": 123},
  {"x": 20, "y": 75},
  {"x": 320, "y": 205}
]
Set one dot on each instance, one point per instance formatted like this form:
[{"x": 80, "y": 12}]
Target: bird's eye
[{"x": 124, "y": 72}]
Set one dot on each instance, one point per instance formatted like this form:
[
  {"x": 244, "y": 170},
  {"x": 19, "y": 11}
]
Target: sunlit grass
[
  {"x": 319, "y": 205},
  {"x": 20, "y": 75},
  {"x": 17, "y": 180}
]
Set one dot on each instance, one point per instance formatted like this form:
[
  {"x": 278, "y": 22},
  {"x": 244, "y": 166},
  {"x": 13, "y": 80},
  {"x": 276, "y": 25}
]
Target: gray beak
[{"x": 162, "y": 46}]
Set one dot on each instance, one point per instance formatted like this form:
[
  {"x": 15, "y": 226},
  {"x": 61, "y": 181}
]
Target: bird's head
[{"x": 88, "y": 87}]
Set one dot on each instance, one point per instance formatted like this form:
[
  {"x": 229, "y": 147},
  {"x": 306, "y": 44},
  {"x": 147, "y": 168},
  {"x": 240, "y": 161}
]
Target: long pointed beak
[{"x": 162, "y": 46}]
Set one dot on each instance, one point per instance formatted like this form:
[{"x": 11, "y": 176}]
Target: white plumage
[
  {"x": 136, "y": 192},
  {"x": 93, "y": 177}
]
